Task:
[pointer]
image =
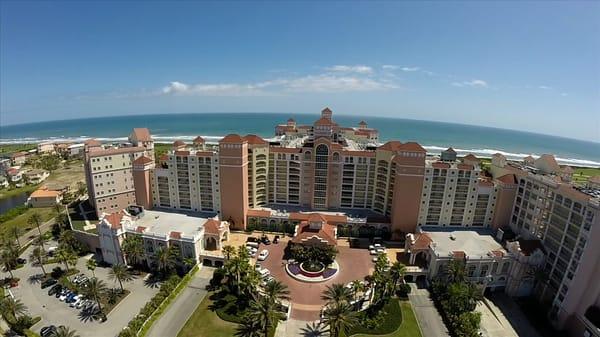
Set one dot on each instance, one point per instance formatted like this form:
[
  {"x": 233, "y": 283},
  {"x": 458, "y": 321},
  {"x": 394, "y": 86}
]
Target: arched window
[
  {"x": 336, "y": 156},
  {"x": 307, "y": 155}
]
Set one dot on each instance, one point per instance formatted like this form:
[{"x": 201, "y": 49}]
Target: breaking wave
[{"x": 432, "y": 149}]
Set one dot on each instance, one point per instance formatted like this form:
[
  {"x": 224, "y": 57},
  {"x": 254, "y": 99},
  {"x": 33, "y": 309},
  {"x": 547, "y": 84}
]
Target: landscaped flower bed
[{"x": 312, "y": 269}]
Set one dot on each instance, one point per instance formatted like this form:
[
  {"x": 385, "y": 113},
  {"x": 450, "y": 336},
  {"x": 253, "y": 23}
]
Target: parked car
[
  {"x": 263, "y": 255},
  {"x": 62, "y": 292},
  {"x": 21, "y": 260},
  {"x": 73, "y": 302},
  {"x": 48, "y": 331},
  {"x": 276, "y": 239},
  {"x": 264, "y": 273},
  {"x": 48, "y": 282},
  {"x": 265, "y": 240},
  {"x": 252, "y": 239},
  {"x": 52, "y": 250},
  {"x": 252, "y": 244},
  {"x": 64, "y": 296},
  {"x": 55, "y": 289},
  {"x": 71, "y": 297}
]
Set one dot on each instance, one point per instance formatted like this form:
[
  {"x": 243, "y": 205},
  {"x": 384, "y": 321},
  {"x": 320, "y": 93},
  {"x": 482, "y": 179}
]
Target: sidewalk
[{"x": 180, "y": 310}]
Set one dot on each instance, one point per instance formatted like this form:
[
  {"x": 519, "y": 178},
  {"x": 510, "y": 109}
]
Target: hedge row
[{"x": 142, "y": 322}]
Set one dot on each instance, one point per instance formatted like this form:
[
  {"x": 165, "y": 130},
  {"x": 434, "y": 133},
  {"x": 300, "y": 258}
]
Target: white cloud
[
  {"x": 409, "y": 69},
  {"x": 389, "y": 67},
  {"x": 359, "y": 69},
  {"x": 471, "y": 83},
  {"x": 543, "y": 87},
  {"x": 320, "y": 83}
]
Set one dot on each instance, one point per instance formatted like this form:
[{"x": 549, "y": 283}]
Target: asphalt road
[
  {"x": 428, "y": 317},
  {"x": 180, "y": 310}
]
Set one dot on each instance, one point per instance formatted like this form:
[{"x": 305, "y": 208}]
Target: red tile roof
[
  {"x": 422, "y": 241},
  {"x": 324, "y": 122},
  {"x": 440, "y": 165},
  {"x": 392, "y": 145},
  {"x": 114, "y": 219},
  {"x": 142, "y": 134},
  {"x": 232, "y": 138},
  {"x": 465, "y": 167},
  {"x": 212, "y": 226},
  {"x": 178, "y": 143},
  {"x": 412, "y": 147},
  {"x": 198, "y": 140},
  {"x": 326, "y": 233},
  {"x": 255, "y": 140},
  {"x": 142, "y": 160},
  {"x": 508, "y": 178},
  {"x": 470, "y": 157},
  {"x": 259, "y": 212},
  {"x": 92, "y": 142},
  {"x": 44, "y": 193}
]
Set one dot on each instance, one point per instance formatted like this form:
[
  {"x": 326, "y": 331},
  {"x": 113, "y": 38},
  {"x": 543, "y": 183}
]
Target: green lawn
[
  {"x": 409, "y": 326},
  {"x": 205, "y": 323},
  {"x": 582, "y": 174},
  {"x": 47, "y": 213},
  {"x": 12, "y": 191}
]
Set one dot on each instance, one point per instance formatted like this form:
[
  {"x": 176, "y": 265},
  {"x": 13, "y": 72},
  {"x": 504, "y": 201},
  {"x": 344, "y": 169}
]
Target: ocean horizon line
[{"x": 293, "y": 114}]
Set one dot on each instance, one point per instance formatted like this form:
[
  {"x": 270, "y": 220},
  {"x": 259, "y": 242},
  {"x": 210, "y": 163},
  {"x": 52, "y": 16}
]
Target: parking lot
[{"x": 54, "y": 312}]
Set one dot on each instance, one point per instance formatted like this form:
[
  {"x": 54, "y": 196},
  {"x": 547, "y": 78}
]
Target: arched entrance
[{"x": 210, "y": 243}]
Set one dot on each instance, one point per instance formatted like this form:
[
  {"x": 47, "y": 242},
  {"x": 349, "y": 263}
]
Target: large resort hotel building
[{"x": 362, "y": 187}]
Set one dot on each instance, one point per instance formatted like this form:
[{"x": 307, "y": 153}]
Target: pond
[{"x": 13, "y": 201}]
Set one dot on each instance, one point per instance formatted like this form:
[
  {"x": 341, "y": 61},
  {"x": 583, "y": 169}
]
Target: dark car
[
  {"x": 276, "y": 239},
  {"x": 55, "y": 289},
  {"x": 252, "y": 239},
  {"x": 48, "y": 331},
  {"x": 265, "y": 240},
  {"x": 21, "y": 261},
  {"x": 48, "y": 283}
]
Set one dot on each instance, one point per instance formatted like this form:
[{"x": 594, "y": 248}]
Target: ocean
[{"x": 433, "y": 136}]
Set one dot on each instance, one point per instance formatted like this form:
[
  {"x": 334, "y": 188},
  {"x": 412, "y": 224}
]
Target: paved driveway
[
  {"x": 428, "y": 317},
  {"x": 502, "y": 317},
  {"x": 180, "y": 310},
  {"x": 52, "y": 311},
  {"x": 355, "y": 264}
]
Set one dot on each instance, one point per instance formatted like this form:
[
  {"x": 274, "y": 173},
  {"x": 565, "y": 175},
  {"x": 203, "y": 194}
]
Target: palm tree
[
  {"x": 263, "y": 311},
  {"x": 276, "y": 291},
  {"x": 164, "y": 259},
  {"x": 39, "y": 241},
  {"x": 67, "y": 239},
  {"x": 38, "y": 257},
  {"x": 357, "y": 286},
  {"x": 13, "y": 307},
  {"x": 81, "y": 188},
  {"x": 66, "y": 256},
  {"x": 16, "y": 231},
  {"x": 119, "y": 273},
  {"x": 94, "y": 289},
  {"x": 63, "y": 331},
  {"x": 228, "y": 251},
  {"x": 397, "y": 272},
  {"x": 248, "y": 328},
  {"x": 133, "y": 248},
  {"x": 36, "y": 219},
  {"x": 91, "y": 265},
  {"x": 456, "y": 271},
  {"x": 339, "y": 317},
  {"x": 9, "y": 256},
  {"x": 336, "y": 293}
]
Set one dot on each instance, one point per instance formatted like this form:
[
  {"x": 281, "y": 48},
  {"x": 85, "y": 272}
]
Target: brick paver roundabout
[{"x": 354, "y": 264}]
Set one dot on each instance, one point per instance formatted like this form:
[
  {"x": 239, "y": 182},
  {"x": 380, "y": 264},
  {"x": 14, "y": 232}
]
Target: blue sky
[{"x": 528, "y": 66}]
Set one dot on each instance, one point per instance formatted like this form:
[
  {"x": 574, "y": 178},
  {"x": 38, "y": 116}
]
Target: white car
[
  {"x": 264, "y": 273},
  {"x": 263, "y": 255},
  {"x": 373, "y": 252},
  {"x": 75, "y": 301}
]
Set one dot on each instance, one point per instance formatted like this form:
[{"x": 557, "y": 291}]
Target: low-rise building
[
  {"x": 3, "y": 182},
  {"x": 36, "y": 176},
  {"x": 46, "y": 148},
  {"x": 19, "y": 158},
  {"x": 4, "y": 165},
  {"x": 192, "y": 235},
  {"x": 487, "y": 263},
  {"x": 44, "y": 198},
  {"x": 14, "y": 174}
]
